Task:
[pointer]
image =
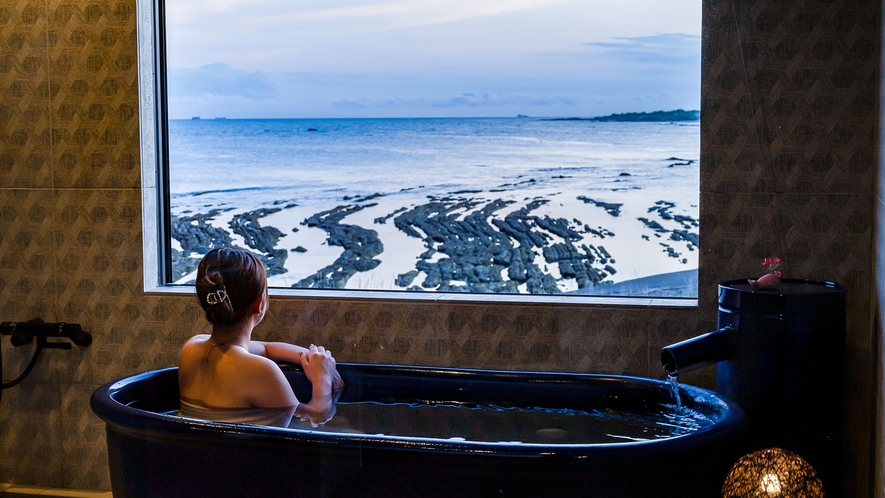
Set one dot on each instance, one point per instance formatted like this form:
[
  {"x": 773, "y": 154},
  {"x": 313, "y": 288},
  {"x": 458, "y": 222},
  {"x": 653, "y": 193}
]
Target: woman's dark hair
[{"x": 229, "y": 281}]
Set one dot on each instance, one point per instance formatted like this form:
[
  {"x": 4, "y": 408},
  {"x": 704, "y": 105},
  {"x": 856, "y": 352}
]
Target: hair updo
[{"x": 238, "y": 274}]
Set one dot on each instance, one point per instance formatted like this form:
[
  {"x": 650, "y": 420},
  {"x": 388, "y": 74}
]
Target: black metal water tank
[{"x": 788, "y": 372}]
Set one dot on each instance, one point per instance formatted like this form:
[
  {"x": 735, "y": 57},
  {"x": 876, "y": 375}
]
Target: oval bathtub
[{"x": 153, "y": 453}]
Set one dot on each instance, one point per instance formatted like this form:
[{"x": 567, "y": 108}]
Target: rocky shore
[
  {"x": 197, "y": 236},
  {"x": 471, "y": 243}
]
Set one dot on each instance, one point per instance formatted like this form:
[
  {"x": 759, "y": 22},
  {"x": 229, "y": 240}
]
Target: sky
[{"x": 430, "y": 58}]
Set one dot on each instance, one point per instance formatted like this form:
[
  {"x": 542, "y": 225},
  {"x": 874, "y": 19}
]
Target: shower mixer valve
[{"x": 23, "y": 333}]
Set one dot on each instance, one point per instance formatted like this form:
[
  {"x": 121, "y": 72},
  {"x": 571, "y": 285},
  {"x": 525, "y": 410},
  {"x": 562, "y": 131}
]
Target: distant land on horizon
[
  {"x": 677, "y": 115},
  {"x": 660, "y": 116}
]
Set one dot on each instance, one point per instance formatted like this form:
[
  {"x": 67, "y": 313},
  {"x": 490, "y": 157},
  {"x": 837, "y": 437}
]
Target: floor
[{"x": 16, "y": 491}]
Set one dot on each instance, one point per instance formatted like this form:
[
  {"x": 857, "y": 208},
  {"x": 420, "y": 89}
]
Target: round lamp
[{"x": 770, "y": 473}]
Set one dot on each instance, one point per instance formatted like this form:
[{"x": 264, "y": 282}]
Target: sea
[{"x": 313, "y": 165}]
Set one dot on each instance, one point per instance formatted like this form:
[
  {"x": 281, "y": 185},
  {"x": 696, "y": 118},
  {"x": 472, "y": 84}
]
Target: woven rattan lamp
[{"x": 770, "y": 473}]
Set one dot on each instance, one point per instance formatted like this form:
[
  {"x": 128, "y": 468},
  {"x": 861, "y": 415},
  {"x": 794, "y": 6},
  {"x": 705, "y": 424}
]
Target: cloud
[
  {"x": 665, "y": 48},
  {"x": 464, "y": 100},
  {"x": 379, "y": 103},
  {"x": 414, "y": 13},
  {"x": 219, "y": 79}
]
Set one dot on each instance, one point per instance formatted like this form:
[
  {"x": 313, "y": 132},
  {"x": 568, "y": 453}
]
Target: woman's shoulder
[
  {"x": 267, "y": 386},
  {"x": 197, "y": 340},
  {"x": 193, "y": 347},
  {"x": 256, "y": 365}
]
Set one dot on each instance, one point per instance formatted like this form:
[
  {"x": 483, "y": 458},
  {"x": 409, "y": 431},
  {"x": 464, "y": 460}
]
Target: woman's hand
[
  {"x": 319, "y": 367},
  {"x": 321, "y": 416},
  {"x": 337, "y": 385}
]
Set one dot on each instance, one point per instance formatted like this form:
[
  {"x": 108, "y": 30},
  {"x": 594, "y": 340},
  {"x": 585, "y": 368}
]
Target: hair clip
[{"x": 216, "y": 297}]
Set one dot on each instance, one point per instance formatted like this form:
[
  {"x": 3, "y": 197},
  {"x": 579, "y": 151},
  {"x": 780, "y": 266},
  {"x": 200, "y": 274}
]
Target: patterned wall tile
[
  {"x": 621, "y": 346},
  {"x": 818, "y": 236},
  {"x": 789, "y": 96},
  {"x": 82, "y": 440},
  {"x": 146, "y": 336},
  {"x": 98, "y": 254},
  {"x": 94, "y": 109},
  {"x": 372, "y": 333},
  {"x": 514, "y": 337},
  {"x": 27, "y": 271},
  {"x": 30, "y": 435},
  {"x": 24, "y": 84}
]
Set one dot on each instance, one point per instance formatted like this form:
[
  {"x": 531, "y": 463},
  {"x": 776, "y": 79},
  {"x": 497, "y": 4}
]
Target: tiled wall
[{"x": 789, "y": 160}]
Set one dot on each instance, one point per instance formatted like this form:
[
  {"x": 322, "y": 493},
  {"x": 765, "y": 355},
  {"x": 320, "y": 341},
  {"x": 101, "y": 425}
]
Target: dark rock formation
[
  {"x": 559, "y": 226},
  {"x": 406, "y": 279},
  {"x": 654, "y": 225},
  {"x": 479, "y": 248},
  {"x": 196, "y": 238},
  {"x": 599, "y": 232},
  {"x": 574, "y": 264},
  {"x": 383, "y": 219},
  {"x": 475, "y": 251},
  {"x": 360, "y": 248},
  {"x": 610, "y": 208},
  {"x": 670, "y": 251},
  {"x": 663, "y": 209},
  {"x": 261, "y": 239},
  {"x": 362, "y": 199},
  {"x": 692, "y": 238}
]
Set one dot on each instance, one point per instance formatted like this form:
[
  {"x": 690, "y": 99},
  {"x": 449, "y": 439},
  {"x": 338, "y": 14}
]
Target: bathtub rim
[{"x": 136, "y": 422}]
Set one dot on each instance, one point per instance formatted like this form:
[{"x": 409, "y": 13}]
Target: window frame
[{"x": 156, "y": 215}]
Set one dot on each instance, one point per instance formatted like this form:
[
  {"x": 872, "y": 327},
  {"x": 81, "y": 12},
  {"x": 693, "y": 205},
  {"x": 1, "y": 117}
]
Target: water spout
[{"x": 699, "y": 351}]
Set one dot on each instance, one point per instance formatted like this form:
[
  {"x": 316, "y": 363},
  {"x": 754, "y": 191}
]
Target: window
[{"x": 499, "y": 147}]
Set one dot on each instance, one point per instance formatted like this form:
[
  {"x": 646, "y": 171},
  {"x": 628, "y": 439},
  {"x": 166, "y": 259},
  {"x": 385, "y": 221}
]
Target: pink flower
[{"x": 772, "y": 264}]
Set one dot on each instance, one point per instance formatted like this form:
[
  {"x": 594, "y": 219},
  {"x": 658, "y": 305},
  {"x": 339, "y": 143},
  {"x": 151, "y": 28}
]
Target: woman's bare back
[{"x": 229, "y": 376}]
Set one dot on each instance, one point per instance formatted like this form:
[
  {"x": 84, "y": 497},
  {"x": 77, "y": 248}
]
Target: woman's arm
[
  {"x": 283, "y": 351},
  {"x": 278, "y": 351}
]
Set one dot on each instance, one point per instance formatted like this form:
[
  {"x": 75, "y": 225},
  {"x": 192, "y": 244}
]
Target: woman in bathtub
[{"x": 226, "y": 376}]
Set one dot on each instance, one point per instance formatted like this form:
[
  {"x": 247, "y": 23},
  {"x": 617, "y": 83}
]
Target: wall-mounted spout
[{"x": 699, "y": 351}]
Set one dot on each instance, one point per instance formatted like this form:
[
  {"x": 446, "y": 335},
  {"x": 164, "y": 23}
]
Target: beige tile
[
  {"x": 30, "y": 432},
  {"x": 94, "y": 112},
  {"x": 25, "y": 148},
  {"x": 83, "y": 441}
]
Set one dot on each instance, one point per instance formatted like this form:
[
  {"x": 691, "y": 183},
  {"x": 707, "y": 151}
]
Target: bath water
[{"x": 494, "y": 423}]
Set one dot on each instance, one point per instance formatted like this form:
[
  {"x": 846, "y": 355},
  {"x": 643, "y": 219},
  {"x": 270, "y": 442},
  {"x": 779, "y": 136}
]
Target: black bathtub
[{"x": 154, "y": 453}]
